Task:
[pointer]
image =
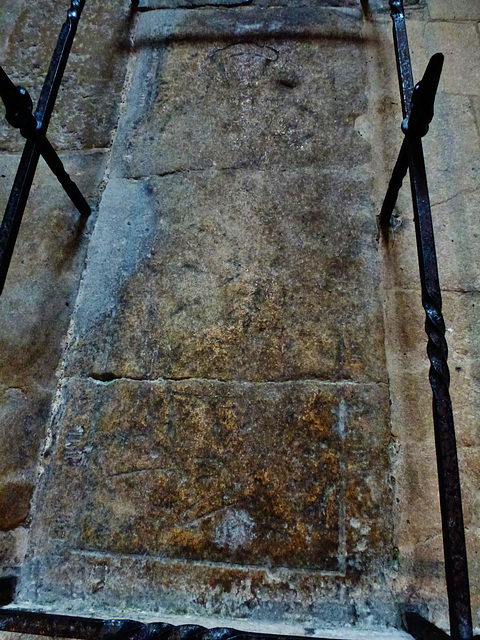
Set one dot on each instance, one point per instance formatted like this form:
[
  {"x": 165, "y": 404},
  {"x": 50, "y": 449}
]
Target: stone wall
[
  {"x": 452, "y": 157},
  {"x": 49, "y": 258},
  {"x": 241, "y": 425}
]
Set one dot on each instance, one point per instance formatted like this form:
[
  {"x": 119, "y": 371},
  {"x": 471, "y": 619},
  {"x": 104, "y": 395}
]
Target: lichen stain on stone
[
  {"x": 250, "y": 475},
  {"x": 235, "y": 530}
]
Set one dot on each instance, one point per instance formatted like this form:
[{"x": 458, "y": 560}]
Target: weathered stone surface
[
  {"x": 232, "y": 275},
  {"x": 252, "y": 475},
  {"x": 88, "y": 103},
  {"x": 35, "y": 309},
  {"x": 315, "y": 4},
  {"x": 179, "y": 4},
  {"x": 453, "y": 165},
  {"x": 461, "y": 73},
  {"x": 452, "y": 151},
  {"x": 13, "y": 546},
  {"x": 411, "y": 411},
  {"x": 189, "y": 4},
  {"x": 8, "y": 16},
  {"x": 255, "y": 22},
  {"x": 280, "y": 104},
  {"x": 14, "y": 504},
  {"x": 454, "y": 225},
  {"x": 459, "y": 10},
  {"x": 475, "y": 104},
  {"x": 45, "y": 270},
  {"x": 260, "y": 113}
]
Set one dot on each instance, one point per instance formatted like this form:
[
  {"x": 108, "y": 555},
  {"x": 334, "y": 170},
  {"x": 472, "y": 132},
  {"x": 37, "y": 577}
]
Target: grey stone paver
[
  {"x": 274, "y": 104},
  {"x": 253, "y": 263},
  {"x": 458, "y": 10},
  {"x": 35, "y": 309},
  {"x": 229, "y": 320},
  {"x": 461, "y": 73},
  {"x": 232, "y": 275},
  {"x": 222, "y": 485},
  {"x": 247, "y": 23}
]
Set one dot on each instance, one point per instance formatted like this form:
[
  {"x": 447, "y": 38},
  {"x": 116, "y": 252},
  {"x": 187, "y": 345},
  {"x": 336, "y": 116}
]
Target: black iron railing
[
  {"x": 417, "y": 106},
  {"x": 33, "y": 126}
]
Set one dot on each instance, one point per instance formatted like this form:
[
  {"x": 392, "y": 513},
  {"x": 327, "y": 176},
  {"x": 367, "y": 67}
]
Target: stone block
[
  {"x": 8, "y": 18},
  {"x": 12, "y": 549},
  {"x": 192, "y": 4},
  {"x": 452, "y": 163},
  {"x": 14, "y": 503},
  {"x": 417, "y": 495},
  {"x": 87, "y": 107},
  {"x": 456, "y": 241},
  {"x": 255, "y": 22},
  {"x": 203, "y": 485},
  {"x": 420, "y": 568},
  {"x": 24, "y": 411},
  {"x": 35, "y": 309},
  {"x": 459, "y": 10},
  {"x": 461, "y": 73},
  {"x": 257, "y": 105},
  {"x": 408, "y": 366},
  {"x": 405, "y": 328},
  {"x": 232, "y": 275},
  {"x": 452, "y": 149},
  {"x": 188, "y": 4},
  {"x": 45, "y": 269}
]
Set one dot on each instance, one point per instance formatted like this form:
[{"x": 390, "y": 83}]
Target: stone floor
[{"x": 230, "y": 431}]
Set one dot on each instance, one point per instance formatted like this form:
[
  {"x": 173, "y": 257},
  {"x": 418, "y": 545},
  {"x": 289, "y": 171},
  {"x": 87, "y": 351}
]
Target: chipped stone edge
[{"x": 248, "y": 22}]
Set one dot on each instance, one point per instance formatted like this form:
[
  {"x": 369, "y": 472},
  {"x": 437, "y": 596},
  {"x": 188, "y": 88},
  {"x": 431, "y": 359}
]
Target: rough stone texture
[
  {"x": 8, "y": 17},
  {"x": 230, "y": 275},
  {"x": 35, "y": 310},
  {"x": 226, "y": 99},
  {"x": 276, "y": 105},
  {"x": 452, "y": 151},
  {"x": 241, "y": 474},
  {"x": 248, "y": 24},
  {"x": 87, "y": 105},
  {"x": 223, "y": 422},
  {"x": 462, "y": 72},
  {"x": 40, "y": 292},
  {"x": 182, "y": 4},
  {"x": 40, "y": 289},
  {"x": 459, "y": 10},
  {"x": 14, "y": 504}
]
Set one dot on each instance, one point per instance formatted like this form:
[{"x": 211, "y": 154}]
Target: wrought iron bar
[
  {"x": 456, "y": 568},
  {"x": 34, "y": 127},
  {"x": 422, "y": 629},
  {"x": 415, "y": 125},
  {"x": 48, "y": 624}
]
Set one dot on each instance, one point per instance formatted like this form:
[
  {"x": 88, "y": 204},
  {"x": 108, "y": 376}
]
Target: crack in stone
[
  {"x": 455, "y": 195},
  {"x": 250, "y": 168},
  {"x": 108, "y": 377},
  {"x": 166, "y": 560}
]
